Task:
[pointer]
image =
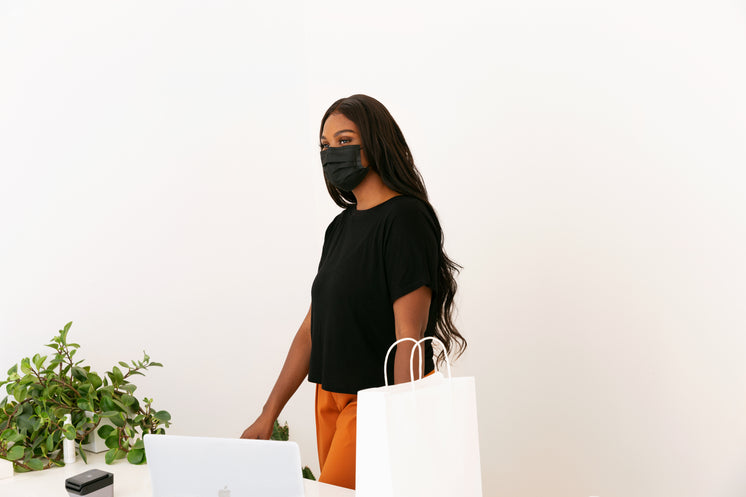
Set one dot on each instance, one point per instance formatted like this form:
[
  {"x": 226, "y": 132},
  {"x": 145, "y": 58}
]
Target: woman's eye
[
  {"x": 324, "y": 145},
  {"x": 344, "y": 140}
]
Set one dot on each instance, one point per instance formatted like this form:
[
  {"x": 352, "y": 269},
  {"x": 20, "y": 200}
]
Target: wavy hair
[{"x": 389, "y": 155}]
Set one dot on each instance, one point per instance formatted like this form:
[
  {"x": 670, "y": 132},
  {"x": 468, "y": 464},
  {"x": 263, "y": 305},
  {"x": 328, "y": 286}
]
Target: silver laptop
[{"x": 223, "y": 467}]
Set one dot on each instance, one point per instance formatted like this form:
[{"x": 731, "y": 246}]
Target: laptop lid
[{"x": 223, "y": 467}]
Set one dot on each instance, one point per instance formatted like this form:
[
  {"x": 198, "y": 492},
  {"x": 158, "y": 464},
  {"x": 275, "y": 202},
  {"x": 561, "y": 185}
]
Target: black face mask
[{"x": 343, "y": 166}]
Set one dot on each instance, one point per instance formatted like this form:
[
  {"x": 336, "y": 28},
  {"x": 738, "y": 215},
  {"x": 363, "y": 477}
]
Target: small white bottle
[{"x": 68, "y": 446}]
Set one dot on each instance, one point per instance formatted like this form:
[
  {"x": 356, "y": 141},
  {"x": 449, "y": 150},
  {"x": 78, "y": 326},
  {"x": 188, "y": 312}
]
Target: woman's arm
[
  {"x": 410, "y": 317},
  {"x": 294, "y": 371}
]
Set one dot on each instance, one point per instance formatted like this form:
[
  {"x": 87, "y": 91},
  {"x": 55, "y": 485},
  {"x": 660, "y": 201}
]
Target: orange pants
[{"x": 336, "y": 424}]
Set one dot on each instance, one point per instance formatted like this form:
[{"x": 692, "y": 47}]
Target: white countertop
[{"x": 129, "y": 481}]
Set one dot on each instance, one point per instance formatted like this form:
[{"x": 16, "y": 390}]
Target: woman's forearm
[
  {"x": 410, "y": 316},
  {"x": 401, "y": 362}
]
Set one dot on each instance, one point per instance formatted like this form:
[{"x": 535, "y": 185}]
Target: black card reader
[{"x": 93, "y": 483}]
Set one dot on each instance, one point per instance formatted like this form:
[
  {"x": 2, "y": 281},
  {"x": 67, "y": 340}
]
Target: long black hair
[{"x": 389, "y": 155}]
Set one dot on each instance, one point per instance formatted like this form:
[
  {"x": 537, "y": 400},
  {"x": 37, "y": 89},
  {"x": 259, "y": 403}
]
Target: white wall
[{"x": 160, "y": 186}]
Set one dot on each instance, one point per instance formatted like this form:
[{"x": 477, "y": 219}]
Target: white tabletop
[{"x": 129, "y": 481}]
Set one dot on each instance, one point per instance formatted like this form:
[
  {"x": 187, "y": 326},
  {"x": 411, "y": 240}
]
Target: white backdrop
[{"x": 160, "y": 187}]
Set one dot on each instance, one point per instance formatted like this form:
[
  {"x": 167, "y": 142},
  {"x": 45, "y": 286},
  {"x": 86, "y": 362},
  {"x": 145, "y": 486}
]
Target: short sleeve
[{"x": 411, "y": 250}]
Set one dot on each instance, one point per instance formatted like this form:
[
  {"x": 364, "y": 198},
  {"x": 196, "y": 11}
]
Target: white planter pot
[
  {"x": 96, "y": 444},
  {"x": 6, "y": 469}
]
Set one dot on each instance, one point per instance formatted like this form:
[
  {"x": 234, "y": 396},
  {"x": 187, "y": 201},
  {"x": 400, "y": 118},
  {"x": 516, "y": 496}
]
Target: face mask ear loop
[
  {"x": 386, "y": 360},
  {"x": 417, "y": 346}
]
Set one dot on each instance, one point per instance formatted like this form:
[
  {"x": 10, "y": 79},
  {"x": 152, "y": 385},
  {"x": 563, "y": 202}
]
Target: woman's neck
[{"x": 372, "y": 192}]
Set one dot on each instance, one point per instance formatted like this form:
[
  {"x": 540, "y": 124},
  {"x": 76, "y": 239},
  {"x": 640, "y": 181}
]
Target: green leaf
[
  {"x": 38, "y": 360},
  {"x": 139, "y": 444},
  {"x": 95, "y": 380},
  {"x": 6, "y": 434},
  {"x": 13, "y": 370},
  {"x": 136, "y": 456},
  {"x": 114, "y": 454},
  {"x": 156, "y": 364},
  {"x": 118, "y": 376},
  {"x": 69, "y": 432},
  {"x": 25, "y": 365},
  {"x": 112, "y": 441},
  {"x": 129, "y": 388},
  {"x": 50, "y": 443},
  {"x": 36, "y": 391},
  {"x": 280, "y": 432},
  {"x": 108, "y": 404},
  {"x": 131, "y": 403},
  {"x": 82, "y": 454},
  {"x": 119, "y": 420},
  {"x": 105, "y": 430},
  {"x": 110, "y": 454},
  {"x": 79, "y": 373},
  {"x": 26, "y": 422},
  {"x": 84, "y": 405},
  {"x": 86, "y": 389},
  {"x": 15, "y": 453},
  {"x": 27, "y": 380},
  {"x": 162, "y": 416},
  {"x": 121, "y": 406},
  {"x": 19, "y": 393},
  {"x": 307, "y": 474},
  {"x": 35, "y": 464}
]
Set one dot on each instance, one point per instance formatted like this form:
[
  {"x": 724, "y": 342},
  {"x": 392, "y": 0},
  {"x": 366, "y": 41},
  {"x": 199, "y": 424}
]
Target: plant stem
[
  {"x": 15, "y": 411},
  {"x": 68, "y": 385}
]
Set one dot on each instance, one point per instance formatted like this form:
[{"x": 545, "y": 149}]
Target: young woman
[{"x": 383, "y": 276}]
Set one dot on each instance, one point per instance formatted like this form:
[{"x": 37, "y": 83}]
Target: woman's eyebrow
[
  {"x": 343, "y": 131},
  {"x": 340, "y": 132}
]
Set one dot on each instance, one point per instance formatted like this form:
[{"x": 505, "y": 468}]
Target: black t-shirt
[{"x": 370, "y": 259}]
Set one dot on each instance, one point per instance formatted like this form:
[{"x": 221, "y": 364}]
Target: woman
[{"x": 383, "y": 276}]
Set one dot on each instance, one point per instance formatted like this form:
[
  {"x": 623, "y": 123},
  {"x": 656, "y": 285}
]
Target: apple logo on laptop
[{"x": 225, "y": 492}]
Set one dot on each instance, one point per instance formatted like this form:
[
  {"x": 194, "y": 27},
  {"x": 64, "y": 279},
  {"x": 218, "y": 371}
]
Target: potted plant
[
  {"x": 47, "y": 388},
  {"x": 282, "y": 432}
]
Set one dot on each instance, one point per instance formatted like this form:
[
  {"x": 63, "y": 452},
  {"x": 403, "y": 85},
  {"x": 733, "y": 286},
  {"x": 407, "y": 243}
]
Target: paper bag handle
[
  {"x": 411, "y": 357},
  {"x": 417, "y": 346}
]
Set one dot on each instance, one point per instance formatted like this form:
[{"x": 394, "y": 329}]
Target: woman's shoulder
[
  {"x": 406, "y": 204},
  {"x": 407, "y": 212}
]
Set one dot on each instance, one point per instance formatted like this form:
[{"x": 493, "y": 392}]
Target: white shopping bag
[{"x": 419, "y": 438}]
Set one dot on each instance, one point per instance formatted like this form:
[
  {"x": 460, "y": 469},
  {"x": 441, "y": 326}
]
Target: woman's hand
[{"x": 260, "y": 429}]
